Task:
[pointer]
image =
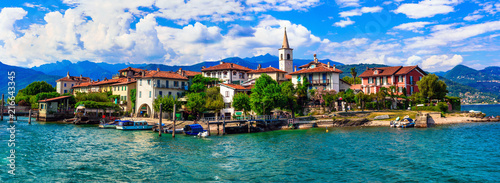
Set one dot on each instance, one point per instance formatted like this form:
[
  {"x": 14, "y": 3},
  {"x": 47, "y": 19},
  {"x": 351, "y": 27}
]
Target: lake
[
  {"x": 47, "y": 152},
  {"x": 489, "y": 110}
]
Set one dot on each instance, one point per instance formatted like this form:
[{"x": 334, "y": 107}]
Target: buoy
[{"x": 327, "y": 129}]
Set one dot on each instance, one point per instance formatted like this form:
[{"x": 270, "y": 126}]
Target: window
[
  {"x": 400, "y": 89},
  {"x": 385, "y": 80},
  {"x": 298, "y": 78},
  {"x": 225, "y": 74},
  {"x": 125, "y": 87},
  {"x": 42, "y": 106},
  {"x": 281, "y": 57},
  {"x": 149, "y": 82},
  {"x": 140, "y": 82},
  {"x": 378, "y": 80},
  {"x": 400, "y": 79},
  {"x": 227, "y": 93},
  {"x": 368, "y": 90},
  {"x": 288, "y": 56},
  {"x": 228, "y": 105},
  {"x": 169, "y": 93},
  {"x": 65, "y": 91},
  {"x": 176, "y": 83},
  {"x": 149, "y": 94},
  {"x": 234, "y": 73},
  {"x": 370, "y": 81},
  {"x": 140, "y": 94},
  {"x": 166, "y": 84},
  {"x": 411, "y": 79},
  {"x": 420, "y": 78},
  {"x": 64, "y": 84},
  {"x": 178, "y": 94},
  {"x": 158, "y": 83},
  {"x": 122, "y": 88},
  {"x": 71, "y": 85},
  {"x": 182, "y": 84},
  {"x": 411, "y": 90}
]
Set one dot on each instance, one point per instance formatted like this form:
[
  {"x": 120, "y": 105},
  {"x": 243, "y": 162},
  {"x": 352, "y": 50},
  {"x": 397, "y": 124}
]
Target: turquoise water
[
  {"x": 489, "y": 110},
  {"x": 48, "y": 152}
]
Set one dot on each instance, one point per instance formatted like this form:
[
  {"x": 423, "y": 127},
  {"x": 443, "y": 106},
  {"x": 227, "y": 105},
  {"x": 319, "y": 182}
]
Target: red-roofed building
[
  {"x": 227, "y": 72},
  {"x": 276, "y": 74},
  {"x": 154, "y": 84},
  {"x": 96, "y": 86},
  {"x": 400, "y": 77},
  {"x": 189, "y": 74},
  {"x": 319, "y": 74},
  {"x": 228, "y": 91},
  {"x": 65, "y": 84},
  {"x": 128, "y": 72},
  {"x": 123, "y": 89}
]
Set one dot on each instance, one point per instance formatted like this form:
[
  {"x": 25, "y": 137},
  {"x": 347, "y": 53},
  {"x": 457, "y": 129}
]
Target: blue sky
[{"x": 436, "y": 35}]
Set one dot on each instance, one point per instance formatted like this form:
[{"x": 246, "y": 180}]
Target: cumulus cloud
[
  {"x": 362, "y": 50},
  {"x": 473, "y": 17},
  {"x": 427, "y": 8},
  {"x": 344, "y": 23},
  {"x": 348, "y": 3},
  {"x": 8, "y": 16},
  {"x": 441, "y": 62},
  {"x": 413, "y": 26},
  {"x": 413, "y": 60},
  {"x": 360, "y": 11}
]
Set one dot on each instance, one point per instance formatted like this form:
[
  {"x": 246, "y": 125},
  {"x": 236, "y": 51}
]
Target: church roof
[{"x": 285, "y": 41}]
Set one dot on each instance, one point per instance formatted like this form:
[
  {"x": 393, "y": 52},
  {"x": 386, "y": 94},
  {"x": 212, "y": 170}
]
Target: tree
[
  {"x": 351, "y": 80},
  {"x": 381, "y": 94},
  {"x": 214, "y": 100},
  {"x": 361, "y": 98},
  {"x": 38, "y": 87},
  {"x": 392, "y": 94},
  {"x": 196, "y": 103},
  {"x": 302, "y": 92},
  {"x": 167, "y": 104},
  {"x": 241, "y": 101},
  {"x": 353, "y": 72},
  {"x": 431, "y": 87},
  {"x": 349, "y": 97},
  {"x": 266, "y": 95},
  {"x": 288, "y": 91},
  {"x": 200, "y": 83},
  {"x": 133, "y": 95},
  {"x": 329, "y": 98}
]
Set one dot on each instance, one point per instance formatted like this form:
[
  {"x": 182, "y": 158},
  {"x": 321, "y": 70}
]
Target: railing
[
  {"x": 251, "y": 117},
  {"x": 320, "y": 81}
]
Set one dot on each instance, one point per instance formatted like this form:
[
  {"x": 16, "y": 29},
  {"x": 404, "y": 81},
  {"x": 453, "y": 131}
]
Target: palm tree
[
  {"x": 393, "y": 96},
  {"x": 354, "y": 74}
]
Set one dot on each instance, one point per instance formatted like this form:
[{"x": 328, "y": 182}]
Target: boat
[
  {"x": 193, "y": 129},
  {"x": 203, "y": 134},
  {"x": 105, "y": 124},
  {"x": 406, "y": 122},
  {"x": 133, "y": 125}
]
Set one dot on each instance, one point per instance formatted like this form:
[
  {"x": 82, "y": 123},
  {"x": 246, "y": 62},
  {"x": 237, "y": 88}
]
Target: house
[
  {"x": 227, "y": 72},
  {"x": 401, "y": 77},
  {"x": 153, "y": 84},
  {"x": 319, "y": 74},
  {"x": 65, "y": 84},
  {"x": 189, "y": 74},
  {"x": 128, "y": 72},
  {"x": 228, "y": 91},
  {"x": 276, "y": 74},
  {"x": 96, "y": 86},
  {"x": 54, "y": 109},
  {"x": 123, "y": 89}
]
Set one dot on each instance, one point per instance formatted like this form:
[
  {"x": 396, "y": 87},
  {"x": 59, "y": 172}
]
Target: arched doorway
[{"x": 144, "y": 111}]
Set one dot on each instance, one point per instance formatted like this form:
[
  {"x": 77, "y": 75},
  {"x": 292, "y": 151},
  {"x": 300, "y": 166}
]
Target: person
[{"x": 348, "y": 108}]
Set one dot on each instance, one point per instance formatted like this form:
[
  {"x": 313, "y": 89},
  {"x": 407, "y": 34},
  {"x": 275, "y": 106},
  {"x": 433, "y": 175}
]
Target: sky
[{"x": 434, "y": 34}]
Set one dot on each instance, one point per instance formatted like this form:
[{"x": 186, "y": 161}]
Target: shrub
[
  {"x": 426, "y": 108},
  {"x": 443, "y": 106}
]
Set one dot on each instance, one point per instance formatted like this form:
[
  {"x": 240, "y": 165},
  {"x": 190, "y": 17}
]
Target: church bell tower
[{"x": 286, "y": 56}]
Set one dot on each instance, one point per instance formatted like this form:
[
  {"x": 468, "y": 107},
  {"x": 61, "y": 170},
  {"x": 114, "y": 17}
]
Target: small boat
[
  {"x": 133, "y": 125},
  {"x": 113, "y": 124},
  {"x": 203, "y": 134},
  {"x": 178, "y": 130},
  {"x": 406, "y": 122},
  {"x": 193, "y": 129}
]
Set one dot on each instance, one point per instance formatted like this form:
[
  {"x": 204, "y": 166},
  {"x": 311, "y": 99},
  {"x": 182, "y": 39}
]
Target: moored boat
[
  {"x": 133, "y": 125},
  {"x": 113, "y": 124},
  {"x": 193, "y": 129},
  {"x": 406, "y": 122}
]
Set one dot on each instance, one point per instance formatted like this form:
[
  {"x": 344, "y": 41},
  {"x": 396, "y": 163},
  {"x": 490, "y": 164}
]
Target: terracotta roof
[
  {"x": 237, "y": 87},
  {"x": 356, "y": 87},
  {"x": 316, "y": 70},
  {"x": 226, "y": 66},
  {"x": 382, "y": 71},
  {"x": 54, "y": 99},
  {"x": 164, "y": 74},
  {"x": 126, "y": 82},
  {"x": 249, "y": 87},
  {"x": 191, "y": 73},
  {"x": 407, "y": 69},
  {"x": 74, "y": 78},
  {"x": 131, "y": 69},
  {"x": 345, "y": 82},
  {"x": 266, "y": 70},
  {"x": 313, "y": 62},
  {"x": 288, "y": 76},
  {"x": 103, "y": 82}
]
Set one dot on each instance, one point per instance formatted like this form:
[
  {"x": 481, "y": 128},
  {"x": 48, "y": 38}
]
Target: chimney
[
  {"x": 81, "y": 77},
  {"x": 143, "y": 73},
  {"x": 98, "y": 80},
  {"x": 367, "y": 68},
  {"x": 128, "y": 79},
  {"x": 105, "y": 79},
  {"x": 333, "y": 66},
  {"x": 328, "y": 64},
  {"x": 295, "y": 69},
  {"x": 67, "y": 75},
  {"x": 158, "y": 69},
  {"x": 231, "y": 65},
  {"x": 180, "y": 70},
  {"x": 203, "y": 67},
  {"x": 221, "y": 62},
  {"x": 258, "y": 67}
]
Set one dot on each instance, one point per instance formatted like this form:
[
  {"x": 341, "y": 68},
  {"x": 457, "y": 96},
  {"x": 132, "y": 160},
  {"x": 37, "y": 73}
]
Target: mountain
[
  {"x": 486, "y": 80},
  {"x": 85, "y": 68},
  {"x": 360, "y": 68},
  {"x": 24, "y": 77}
]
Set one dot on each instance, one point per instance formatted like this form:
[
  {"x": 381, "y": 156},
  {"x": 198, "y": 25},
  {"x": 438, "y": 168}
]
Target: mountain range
[{"x": 460, "y": 79}]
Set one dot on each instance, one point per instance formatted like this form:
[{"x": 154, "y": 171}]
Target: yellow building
[
  {"x": 276, "y": 74},
  {"x": 123, "y": 90}
]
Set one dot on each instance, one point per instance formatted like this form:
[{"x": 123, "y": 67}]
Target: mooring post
[
  {"x": 249, "y": 123},
  {"x": 217, "y": 125},
  {"x": 208, "y": 127},
  {"x": 223, "y": 126},
  {"x": 160, "y": 127},
  {"x": 29, "y": 117},
  {"x": 173, "y": 129}
]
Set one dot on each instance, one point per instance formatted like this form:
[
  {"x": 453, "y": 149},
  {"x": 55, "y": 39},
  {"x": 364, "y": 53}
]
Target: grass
[{"x": 393, "y": 114}]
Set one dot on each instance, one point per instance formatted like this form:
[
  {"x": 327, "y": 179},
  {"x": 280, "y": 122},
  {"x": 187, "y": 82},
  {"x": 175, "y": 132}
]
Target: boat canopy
[{"x": 194, "y": 128}]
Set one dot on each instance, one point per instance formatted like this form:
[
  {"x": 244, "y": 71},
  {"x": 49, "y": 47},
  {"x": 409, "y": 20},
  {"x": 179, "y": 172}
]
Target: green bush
[
  {"x": 443, "y": 106},
  {"x": 371, "y": 105},
  {"x": 191, "y": 117}
]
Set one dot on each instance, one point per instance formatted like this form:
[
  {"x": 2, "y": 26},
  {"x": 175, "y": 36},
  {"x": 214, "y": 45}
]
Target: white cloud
[
  {"x": 427, "y": 8},
  {"x": 360, "y": 11},
  {"x": 362, "y": 50},
  {"x": 413, "y": 26},
  {"x": 441, "y": 62},
  {"x": 344, "y": 23},
  {"x": 446, "y": 36},
  {"x": 348, "y": 3},
  {"x": 413, "y": 60},
  {"x": 8, "y": 16},
  {"x": 473, "y": 17}
]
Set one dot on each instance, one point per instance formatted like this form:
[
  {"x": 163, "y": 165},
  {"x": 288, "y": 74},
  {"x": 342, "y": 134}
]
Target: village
[{"x": 228, "y": 93}]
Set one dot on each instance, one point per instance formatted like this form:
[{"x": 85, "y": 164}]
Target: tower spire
[{"x": 285, "y": 41}]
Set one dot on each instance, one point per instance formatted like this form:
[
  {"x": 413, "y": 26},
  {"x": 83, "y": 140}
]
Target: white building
[
  {"x": 319, "y": 74},
  {"x": 228, "y": 91},
  {"x": 227, "y": 72},
  {"x": 286, "y": 56},
  {"x": 153, "y": 84}
]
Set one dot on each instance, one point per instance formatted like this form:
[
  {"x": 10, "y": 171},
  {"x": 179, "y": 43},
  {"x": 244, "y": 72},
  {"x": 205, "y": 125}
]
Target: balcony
[
  {"x": 320, "y": 81},
  {"x": 161, "y": 86}
]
